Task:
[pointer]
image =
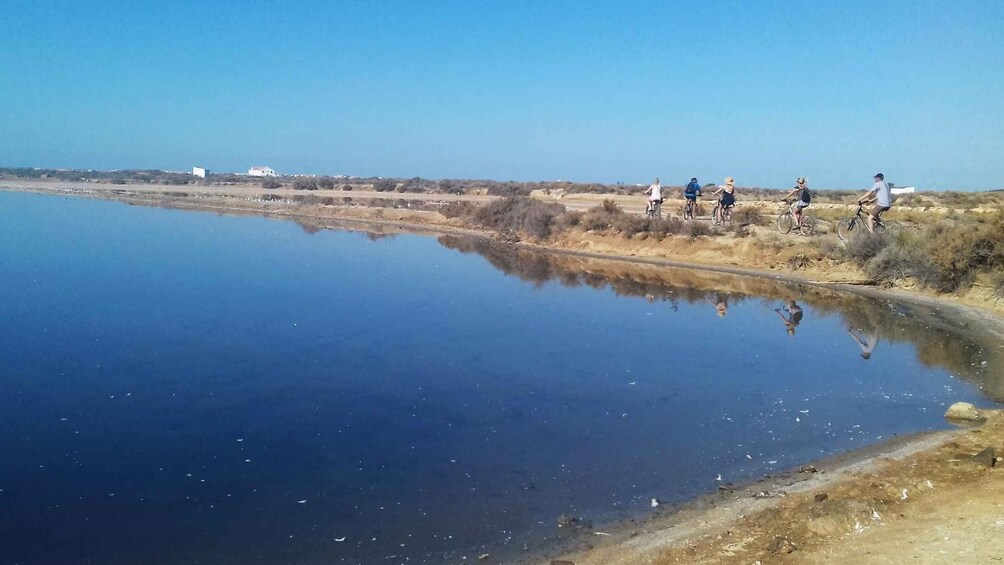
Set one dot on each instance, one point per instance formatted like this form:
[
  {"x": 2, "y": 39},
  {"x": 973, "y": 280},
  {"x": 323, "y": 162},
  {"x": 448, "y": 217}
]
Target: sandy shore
[{"x": 918, "y": 500}]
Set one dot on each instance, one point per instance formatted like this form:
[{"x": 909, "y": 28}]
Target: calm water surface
[{"x": 181, "y": 387}]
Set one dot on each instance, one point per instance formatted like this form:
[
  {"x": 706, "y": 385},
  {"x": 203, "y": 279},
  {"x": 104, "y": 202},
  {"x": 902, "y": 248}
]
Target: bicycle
[
  {"x": 786, "y": 221},
  {"x": 654, "y": 209},
  {"x": 726, "y": 217},
  {"x": 690, "y": 209},
  {"x": 858, "y": 223}
]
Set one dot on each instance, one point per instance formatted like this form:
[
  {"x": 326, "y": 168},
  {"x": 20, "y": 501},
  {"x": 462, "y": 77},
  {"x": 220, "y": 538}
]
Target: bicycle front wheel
[
  {"x": 784, "y": 222},
  {"x": 808, "y": 225},
  {"x": 846, "y": 228}
]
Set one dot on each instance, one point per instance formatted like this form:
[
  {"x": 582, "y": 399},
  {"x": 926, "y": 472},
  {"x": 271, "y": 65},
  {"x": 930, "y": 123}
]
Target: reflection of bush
[{"x": 936, "y": 339}]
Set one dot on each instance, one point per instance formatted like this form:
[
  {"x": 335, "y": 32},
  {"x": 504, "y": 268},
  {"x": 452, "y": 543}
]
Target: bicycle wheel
[
  {"x": 688, "y": 211},
  {"x": 785, "y": 222},
  {"x": 727, "y": 215},
  {"x": 808, "y": 225},
  {"x": 892, "y": 226},
  {"x": 846, "y": 228},
  {"x": 714, "y": 216}
]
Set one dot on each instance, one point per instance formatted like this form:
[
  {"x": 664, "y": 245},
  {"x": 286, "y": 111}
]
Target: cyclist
[
  {"x": 802, "y": 198},
  {"x": 654, "y": 193},
  {"x": 727, "y": 197},
  {"x": 691, "y": 193},
  {"x": 881, "y": 196}
]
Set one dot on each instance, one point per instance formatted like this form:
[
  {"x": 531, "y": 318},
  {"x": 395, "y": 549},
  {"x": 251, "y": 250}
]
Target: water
[{"x": 181, "y": 387}]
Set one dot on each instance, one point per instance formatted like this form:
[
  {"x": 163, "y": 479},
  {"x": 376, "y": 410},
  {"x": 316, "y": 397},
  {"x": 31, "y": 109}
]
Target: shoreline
[{"x": 684, "y": 522}]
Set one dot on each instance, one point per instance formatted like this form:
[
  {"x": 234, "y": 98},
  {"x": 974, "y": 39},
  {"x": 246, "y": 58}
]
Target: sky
[{"x": 513, "y": 90}]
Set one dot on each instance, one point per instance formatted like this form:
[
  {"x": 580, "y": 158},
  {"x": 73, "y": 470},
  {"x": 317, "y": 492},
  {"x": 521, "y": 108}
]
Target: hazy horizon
[{"x": 605, "y": 92}]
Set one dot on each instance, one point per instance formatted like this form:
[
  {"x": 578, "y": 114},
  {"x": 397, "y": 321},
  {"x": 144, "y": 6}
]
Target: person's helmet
[
  {"x": 880, "y": 176},
  {"x": 800, "y": 180},
  {"x": 693, "y": 179}
]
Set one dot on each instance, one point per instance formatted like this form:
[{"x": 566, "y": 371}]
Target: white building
[
  {"x": 200, "y": 172},
  {"x": 261, "y": 172}
]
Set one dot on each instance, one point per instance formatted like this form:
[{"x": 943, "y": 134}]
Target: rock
[
  {"x": 562, "y": 562},
  {"x": 822, "y": 497},
  {"x": 566, "y": 520},
  {"x": 963, "y": 411},
  {"x": 986, "y": 458},
  {"x": 806, "y": 469},
  {"x": 782, "y": 545}
]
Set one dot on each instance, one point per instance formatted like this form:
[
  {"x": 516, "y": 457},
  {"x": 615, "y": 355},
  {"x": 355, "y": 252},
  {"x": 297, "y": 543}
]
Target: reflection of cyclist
[
  {"x": 802, "y": 197},
  {"x": 727, "y": 197},
  {"x": 793, "y": 318},
  {"x": 867, "y": 343},
  {"x": 654, "y": 193},
  {"x": 721, "y": 304},
  {"x": 882, "y": 196}
]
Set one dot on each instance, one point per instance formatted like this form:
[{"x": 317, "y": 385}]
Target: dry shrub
[
  {"x": 747, "y": 215},
  {"x": 799, "y": 261},
  {"x": 519, "y": 214},
  {"x": 864, "y": 246},
  {"x": 458, "y": 210},
  {"x": 997, "y": 284}
]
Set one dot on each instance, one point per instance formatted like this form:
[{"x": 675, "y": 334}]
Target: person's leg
[{"x": 798, "y": 216}]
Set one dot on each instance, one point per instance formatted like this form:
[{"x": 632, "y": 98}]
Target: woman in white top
[{"x": 654, "y": 193}]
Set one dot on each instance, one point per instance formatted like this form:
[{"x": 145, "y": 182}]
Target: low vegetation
[{"x": 945, "y": 256}]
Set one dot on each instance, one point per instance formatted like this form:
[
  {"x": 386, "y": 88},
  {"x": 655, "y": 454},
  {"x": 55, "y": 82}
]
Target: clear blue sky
[{"x": 512, "y": 90}]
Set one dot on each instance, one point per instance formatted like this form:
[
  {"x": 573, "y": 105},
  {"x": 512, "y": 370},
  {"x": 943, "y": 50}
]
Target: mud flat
[{"x": 932, "y": 498}]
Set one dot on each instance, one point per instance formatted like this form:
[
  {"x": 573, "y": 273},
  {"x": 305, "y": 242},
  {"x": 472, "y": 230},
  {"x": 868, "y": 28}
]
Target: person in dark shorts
[
  {"x": 727, "y": 196},
  {"x": 802, "y": 198},
  {"x": 881, "y": 196}
]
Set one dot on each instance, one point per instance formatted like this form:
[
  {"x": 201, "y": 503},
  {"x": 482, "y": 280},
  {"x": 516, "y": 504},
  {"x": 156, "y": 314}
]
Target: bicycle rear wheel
[
  {"x": 785, "y": 222},
  {"x": 846, "y": 228},
  {"x": 808, "y": 225},
  {"x": 727, "y": 215},
  {"x": 892, "y": 226}
]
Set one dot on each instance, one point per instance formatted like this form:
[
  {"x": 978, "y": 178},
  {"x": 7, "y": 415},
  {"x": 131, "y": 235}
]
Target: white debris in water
[
  {"x": 304, "y": 501},
  {"x": 654, "y": 503},
  {"x": 341, "y": 539},
  {"x": 719, "y": 477}
]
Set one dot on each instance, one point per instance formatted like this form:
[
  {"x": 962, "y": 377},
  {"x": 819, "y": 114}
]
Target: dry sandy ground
[
  {"x": 923, "y": 501},
  {"x": 926, "y": 501}
]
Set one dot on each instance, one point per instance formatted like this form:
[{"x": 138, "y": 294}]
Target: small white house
[
  {"x": 261, "y": 172},
  {"x": 200, "y": 172}
]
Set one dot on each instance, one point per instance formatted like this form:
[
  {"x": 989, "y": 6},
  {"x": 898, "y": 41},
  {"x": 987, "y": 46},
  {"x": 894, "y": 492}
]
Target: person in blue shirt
[
  {"x": 693, "y": 190},
  {"x": 690, "y": 193}
]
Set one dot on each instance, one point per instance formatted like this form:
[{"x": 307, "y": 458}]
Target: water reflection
[
  {"x": 791, "y": 316},
  {"x": 866, "y": 340},
  {"x": 940, "y": 341}
]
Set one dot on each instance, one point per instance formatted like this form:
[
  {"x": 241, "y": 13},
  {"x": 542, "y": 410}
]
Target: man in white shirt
[
  {"x": 654, "y": 193},
  {"x": 882, "y": 196}
]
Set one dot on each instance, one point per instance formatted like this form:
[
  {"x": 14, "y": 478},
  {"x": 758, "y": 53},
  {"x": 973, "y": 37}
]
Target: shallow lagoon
[{"x": 181, "y": 387}]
